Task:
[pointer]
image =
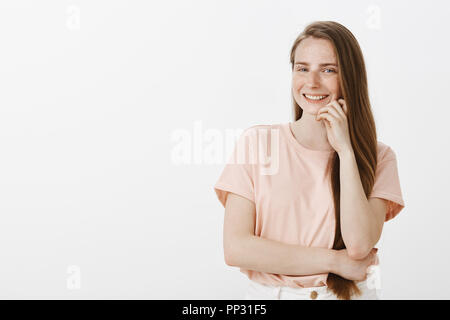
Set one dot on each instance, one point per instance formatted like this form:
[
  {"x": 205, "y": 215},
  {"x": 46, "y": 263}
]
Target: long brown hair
[{"x": 363, "y": 136}]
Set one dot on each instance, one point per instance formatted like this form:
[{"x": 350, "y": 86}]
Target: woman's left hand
[{"x": 335, "y": 117}]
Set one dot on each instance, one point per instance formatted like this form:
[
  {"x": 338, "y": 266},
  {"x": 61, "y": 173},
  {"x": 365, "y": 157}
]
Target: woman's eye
[{"x": 301, "y": 69}]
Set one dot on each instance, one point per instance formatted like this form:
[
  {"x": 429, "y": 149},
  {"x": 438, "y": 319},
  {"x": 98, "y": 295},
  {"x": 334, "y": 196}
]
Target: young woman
[{"x": 303, "y": 223}]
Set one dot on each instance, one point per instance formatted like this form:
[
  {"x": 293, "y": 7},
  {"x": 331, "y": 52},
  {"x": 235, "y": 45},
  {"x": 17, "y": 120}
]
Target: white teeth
[{"x": 315, "y": 97}]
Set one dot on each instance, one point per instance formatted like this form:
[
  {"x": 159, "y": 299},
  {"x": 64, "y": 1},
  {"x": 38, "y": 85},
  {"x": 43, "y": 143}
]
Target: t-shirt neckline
[{"x": 296, "y": 144}]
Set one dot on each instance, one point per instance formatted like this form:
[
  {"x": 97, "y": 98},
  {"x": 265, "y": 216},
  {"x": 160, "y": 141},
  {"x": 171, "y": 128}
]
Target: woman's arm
[
  {"x": 361, "y": 219},
  {"x": 256, "y": 253},
  {"x": 243, "y": 249}
]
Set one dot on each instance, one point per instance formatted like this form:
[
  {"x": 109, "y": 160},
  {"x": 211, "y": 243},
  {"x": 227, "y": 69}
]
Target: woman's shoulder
[
  {"x": 266, "y": 132},
  {"x": 384, "y": 152}
]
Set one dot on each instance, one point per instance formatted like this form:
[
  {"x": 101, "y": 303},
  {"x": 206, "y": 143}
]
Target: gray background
[{"x": 94, "y": 94}]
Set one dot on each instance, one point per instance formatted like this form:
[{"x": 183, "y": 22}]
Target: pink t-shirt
[{"x": 290, "y": 188}]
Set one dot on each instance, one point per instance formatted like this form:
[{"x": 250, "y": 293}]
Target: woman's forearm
[
  {"x": 359, "y": 226},
  {"x": 264, "y": 255}
]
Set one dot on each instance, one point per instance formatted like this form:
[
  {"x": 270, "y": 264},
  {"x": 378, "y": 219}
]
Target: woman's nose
[{"x": 313, "y": 78}]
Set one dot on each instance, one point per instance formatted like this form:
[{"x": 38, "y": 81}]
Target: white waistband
[{"x": 307, "y": 290}]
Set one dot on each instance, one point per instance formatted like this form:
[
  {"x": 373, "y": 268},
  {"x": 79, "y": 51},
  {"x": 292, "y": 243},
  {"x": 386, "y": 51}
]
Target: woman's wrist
[{"x": 335, "y": 261}]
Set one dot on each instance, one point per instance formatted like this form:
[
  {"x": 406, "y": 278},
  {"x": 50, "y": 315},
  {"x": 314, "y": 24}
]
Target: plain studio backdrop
[{"x": 114, "y": 128}]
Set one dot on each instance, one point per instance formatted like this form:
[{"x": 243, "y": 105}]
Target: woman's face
[{"x": 315, "y": 73}]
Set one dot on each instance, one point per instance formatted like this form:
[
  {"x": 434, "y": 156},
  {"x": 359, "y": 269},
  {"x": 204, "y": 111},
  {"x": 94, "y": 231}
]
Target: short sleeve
[
  {"x": 237, "y": 175},
  {"x": 387, "y": 184}
]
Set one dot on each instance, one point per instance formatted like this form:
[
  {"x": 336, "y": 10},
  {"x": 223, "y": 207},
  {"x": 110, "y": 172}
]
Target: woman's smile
[{"x": 318, "y": 99}]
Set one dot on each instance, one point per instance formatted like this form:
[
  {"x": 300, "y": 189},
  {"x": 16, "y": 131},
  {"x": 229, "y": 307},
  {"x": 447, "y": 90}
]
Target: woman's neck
[{"x": 311, "y": 133}]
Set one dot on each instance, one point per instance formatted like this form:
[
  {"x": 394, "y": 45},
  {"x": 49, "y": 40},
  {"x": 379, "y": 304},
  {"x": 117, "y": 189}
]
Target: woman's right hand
[{"x": 352, "y": 269}]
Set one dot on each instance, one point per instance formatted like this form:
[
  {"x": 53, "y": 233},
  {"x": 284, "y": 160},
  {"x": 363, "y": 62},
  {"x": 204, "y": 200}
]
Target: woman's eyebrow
[{"x": 322, "y": 64}]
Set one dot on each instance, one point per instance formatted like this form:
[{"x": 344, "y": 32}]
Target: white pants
[{"x": 257, "y": 291}]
